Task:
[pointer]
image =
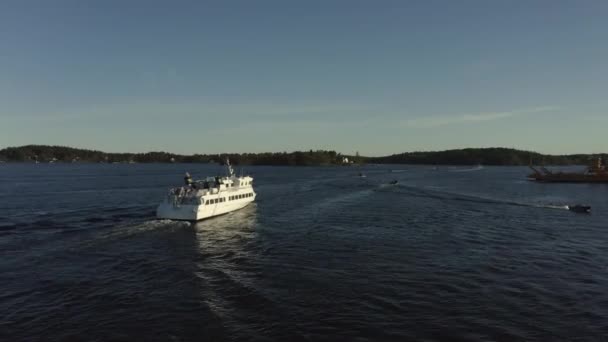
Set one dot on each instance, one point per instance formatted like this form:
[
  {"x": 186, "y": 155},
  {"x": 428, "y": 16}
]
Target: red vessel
[{"x": 595, "y": 173}]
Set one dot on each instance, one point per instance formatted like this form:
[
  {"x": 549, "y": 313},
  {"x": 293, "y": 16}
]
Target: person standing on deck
[{"x": 188, "y": 180}]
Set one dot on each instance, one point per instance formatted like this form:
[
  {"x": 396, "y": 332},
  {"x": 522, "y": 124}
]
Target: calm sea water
[{"x": 448, "y": 254}]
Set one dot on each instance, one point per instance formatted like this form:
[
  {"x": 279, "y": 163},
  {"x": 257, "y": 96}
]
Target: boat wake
[
  {"x": 434, "y": 193},
  {"x": 476, "y": 168},
  {"x": 327, "y": 205},
  {"x": 129, "y": 230},
  {"x": 564, "y": 207}
]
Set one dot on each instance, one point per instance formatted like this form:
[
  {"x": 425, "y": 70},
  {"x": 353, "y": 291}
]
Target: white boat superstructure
[{"x": 207, "y": 198}]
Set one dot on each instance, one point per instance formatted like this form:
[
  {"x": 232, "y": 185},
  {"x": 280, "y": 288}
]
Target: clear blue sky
[{"x": 376, "y": 77}]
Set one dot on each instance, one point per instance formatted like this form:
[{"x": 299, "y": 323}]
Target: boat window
[{"x": 207, "y": 202}]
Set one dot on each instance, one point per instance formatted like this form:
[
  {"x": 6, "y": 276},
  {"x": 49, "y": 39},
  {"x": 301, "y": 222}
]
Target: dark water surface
[{"x": 447, "y": 254}]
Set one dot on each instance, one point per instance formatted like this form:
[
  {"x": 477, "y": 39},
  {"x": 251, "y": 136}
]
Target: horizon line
[{"x": 314, "y": 150}]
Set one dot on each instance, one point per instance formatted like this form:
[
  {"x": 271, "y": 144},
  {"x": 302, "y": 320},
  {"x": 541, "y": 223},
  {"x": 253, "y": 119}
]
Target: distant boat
[
  {"x": 580, "y": 208},
  {"x": 361, "y": 175},
  {"x": 596, "y": 173},
  {"x": 393, "y": 182}
]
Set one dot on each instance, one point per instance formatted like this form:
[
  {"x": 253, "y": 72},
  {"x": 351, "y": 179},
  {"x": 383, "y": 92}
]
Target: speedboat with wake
[
  {"x": 577, "y": 208},
  {"x": 206, "y": 198}
]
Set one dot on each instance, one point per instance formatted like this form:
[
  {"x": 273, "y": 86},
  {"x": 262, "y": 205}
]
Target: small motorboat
[
  {"x": 393, "y": 182},
  {"x": 580, "y": 208},
  {"x": 361, "y": 175}
]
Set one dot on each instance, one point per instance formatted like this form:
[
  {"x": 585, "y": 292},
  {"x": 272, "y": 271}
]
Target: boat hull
[
  {"x": 596, "y": 173},
  {"x": 568, "y": 179},
  {"x": 187, "y": 212}
]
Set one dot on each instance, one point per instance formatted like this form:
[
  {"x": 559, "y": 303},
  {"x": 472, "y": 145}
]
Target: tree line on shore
[
  {"x": 468, "y": 156},
  {"x": 44, "y": 153},
  {"x": 484, "y": 156}
]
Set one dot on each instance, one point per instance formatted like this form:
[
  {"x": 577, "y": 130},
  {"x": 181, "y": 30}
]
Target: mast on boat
[{"x": 230, "y": 170}]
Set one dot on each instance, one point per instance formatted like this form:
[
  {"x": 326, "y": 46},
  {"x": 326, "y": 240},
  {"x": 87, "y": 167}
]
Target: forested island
[
  {"x": 468, "y": 156},
  {"x": 484, "y": 156},
  {"x": 53, "y": 154}
]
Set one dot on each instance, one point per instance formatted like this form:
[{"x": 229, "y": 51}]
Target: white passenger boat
[{"x": 206, "y": 198}]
